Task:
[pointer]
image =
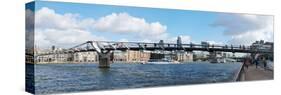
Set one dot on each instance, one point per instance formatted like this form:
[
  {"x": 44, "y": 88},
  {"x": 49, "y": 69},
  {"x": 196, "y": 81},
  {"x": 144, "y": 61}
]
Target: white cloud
[
  {"x": 215, "y": 43},
  {"x": 65, "y": 38},
  {"x": 64, "y": 30},
  {"x": 245, "y": 28},
  {"x": 67, "y": 30},
  {"x": 46, "y": 18},
  {"x": 263, "y": 34},
  {"x": 125, "y": 23}
]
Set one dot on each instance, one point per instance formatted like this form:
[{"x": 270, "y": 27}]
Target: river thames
[{"x": 61, "y": 78}]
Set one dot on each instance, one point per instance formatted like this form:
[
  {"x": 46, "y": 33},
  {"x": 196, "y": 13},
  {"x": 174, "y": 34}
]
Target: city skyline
[{"x": 58, "y": 25}]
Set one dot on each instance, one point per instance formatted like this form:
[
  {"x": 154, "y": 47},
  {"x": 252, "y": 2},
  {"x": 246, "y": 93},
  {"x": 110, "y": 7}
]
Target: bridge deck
[
  {"x": 100, "y": 46},
  {"x": 253, "y": 73}
]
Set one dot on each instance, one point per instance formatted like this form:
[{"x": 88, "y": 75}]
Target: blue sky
[
  {"x": 197, "y": 25},
  {"x": 179, "y": 22}
]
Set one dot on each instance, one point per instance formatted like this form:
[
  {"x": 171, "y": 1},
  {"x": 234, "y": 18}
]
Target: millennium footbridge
[{"x": 105, "y": 49}]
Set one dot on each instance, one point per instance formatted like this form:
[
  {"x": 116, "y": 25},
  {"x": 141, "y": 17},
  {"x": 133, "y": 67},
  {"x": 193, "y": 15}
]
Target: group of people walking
[{"x": 256, "y": 60}]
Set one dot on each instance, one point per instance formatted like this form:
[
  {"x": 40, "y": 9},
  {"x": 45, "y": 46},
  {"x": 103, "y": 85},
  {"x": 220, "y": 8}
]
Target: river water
[{"x": 60, "y": 78}]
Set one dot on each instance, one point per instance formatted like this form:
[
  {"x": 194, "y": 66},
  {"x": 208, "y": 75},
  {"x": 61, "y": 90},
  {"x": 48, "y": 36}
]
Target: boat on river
[
  {"x": 161, "y": 61},
  {"x": 218, "y": 60}
]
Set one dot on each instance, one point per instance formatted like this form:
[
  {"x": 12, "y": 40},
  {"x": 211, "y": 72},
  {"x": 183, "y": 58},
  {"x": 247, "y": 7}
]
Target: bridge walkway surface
[{"x": 253, "y": 73}]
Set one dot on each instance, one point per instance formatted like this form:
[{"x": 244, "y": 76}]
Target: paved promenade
[{"x": 253, "y": 73}]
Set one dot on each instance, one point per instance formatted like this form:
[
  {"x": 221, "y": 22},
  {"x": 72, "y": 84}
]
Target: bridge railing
[{"x": 111, "y": 45}]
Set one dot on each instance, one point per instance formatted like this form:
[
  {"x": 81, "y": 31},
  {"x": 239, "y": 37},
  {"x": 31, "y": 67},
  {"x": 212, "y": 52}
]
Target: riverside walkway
[{"x": 253, "y": 73}]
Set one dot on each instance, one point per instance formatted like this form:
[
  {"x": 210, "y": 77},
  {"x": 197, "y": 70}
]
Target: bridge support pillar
[
  {"x": 213, "y": 54},
  {"x": 105, "y": 59}
]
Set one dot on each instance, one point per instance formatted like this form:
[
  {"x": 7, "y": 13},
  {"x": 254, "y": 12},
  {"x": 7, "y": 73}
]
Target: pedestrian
[
  {"x": 264, "y": 63},
  {"x": 247, "y": 62},
  {"x": 256, "y": 60}
]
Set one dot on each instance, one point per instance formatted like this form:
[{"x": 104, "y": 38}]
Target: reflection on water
[{"x": 57, "y": 78}]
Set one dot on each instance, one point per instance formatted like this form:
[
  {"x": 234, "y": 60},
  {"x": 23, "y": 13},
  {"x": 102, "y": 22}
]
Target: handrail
[{"x": 238, "y": 76}]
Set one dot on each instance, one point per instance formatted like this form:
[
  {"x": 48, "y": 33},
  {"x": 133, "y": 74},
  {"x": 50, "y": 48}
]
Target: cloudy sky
[{"x": 68, "y": 24}]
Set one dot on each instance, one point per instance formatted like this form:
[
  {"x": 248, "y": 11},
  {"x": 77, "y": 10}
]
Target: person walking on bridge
[
  {"x": 247, "y": 62},
  {"x": 264, "y": 63},
  {"x": 256, "y": 60}
]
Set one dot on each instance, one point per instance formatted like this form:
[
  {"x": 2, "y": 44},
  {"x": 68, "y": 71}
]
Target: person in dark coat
[
  {"x": 264, "y": 63},
  {"x": 256, "y": 60}
]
